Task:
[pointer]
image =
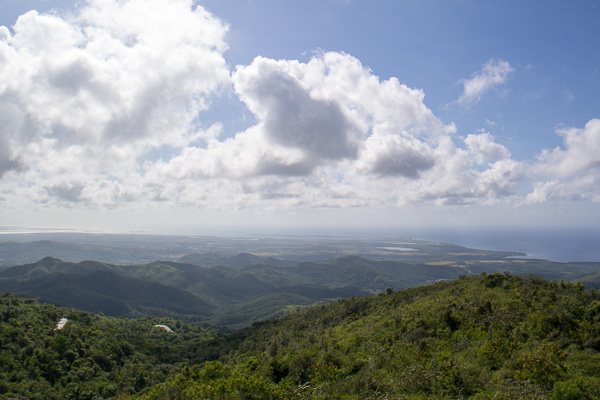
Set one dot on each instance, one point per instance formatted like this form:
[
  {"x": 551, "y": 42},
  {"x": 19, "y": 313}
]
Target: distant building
[
  {"x": 61, "y": 324},
  {"x": 165, "y": 327}
]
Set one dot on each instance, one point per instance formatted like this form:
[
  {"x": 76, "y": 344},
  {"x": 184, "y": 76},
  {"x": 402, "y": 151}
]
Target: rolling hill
[
  {"x": 489, "y": 336},
  {"x": 235, "y": 296},
  {"x": 112, "y": 294}
]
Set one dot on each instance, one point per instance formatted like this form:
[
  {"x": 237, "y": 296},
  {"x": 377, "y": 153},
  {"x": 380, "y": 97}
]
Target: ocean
[
  {"x": 562, "y": 244},
  {"x": 556, "y": 244}
]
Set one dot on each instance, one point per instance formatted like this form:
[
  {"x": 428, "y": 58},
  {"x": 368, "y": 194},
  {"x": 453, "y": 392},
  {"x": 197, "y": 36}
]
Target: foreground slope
[
  {"x": 491, "y": 336},
  {"x": 92, "y": 356}
]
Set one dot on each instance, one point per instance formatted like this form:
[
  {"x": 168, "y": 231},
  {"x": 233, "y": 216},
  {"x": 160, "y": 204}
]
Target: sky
[{"x": 190, "y": 117}]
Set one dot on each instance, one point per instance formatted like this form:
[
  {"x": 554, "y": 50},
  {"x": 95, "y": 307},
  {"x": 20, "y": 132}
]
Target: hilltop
[{"x": 491, "y": 336}]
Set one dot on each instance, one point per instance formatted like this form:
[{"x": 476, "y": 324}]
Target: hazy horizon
[{"x": 573, "y": 244}]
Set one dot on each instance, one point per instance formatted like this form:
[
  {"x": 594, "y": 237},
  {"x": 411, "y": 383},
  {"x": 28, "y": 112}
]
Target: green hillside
[
  {"x": 235, "y": 296},
  {"x": 92, "y": 356},
  {"x": 491, "y": 336},
  {"x": 224, "y": 296},
  {"x": 239, "y": 260},
  {"x": 112, "y": 294},
  {"x": 13, "y": 253}
]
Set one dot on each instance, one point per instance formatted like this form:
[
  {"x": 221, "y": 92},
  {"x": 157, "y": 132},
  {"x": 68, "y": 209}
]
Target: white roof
[
  {"x": 165, "y": 327},
  {"x": 61, "y": 324}
]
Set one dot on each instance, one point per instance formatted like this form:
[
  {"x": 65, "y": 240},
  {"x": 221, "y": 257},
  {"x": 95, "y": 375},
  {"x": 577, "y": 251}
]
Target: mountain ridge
[{"x": 226, "y": 290}]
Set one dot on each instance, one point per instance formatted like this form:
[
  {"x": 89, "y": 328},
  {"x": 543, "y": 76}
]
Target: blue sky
[
  {"x": 433, "y": 45},
  {"x": 172, "y": 115}
]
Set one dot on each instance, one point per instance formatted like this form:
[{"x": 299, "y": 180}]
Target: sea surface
[
  {"x": 562, "y": 244},
  {"x": 556, "y": 244}
]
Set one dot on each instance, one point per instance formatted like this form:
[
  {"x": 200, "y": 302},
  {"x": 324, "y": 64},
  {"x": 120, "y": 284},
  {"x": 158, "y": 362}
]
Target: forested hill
[
  {"x": 91, "y": 357},
  {"x": 489, "y": 336},
  {"x": 236, "y": 296}
]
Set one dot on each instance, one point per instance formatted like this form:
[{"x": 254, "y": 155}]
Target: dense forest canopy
[
  {"x": 92, "y": 356},
  {"x": 488, "y": 336},
  {"x": 245, "y": 288}
]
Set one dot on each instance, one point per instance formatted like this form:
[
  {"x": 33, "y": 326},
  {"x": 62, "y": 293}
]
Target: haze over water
[
  {"x": 564, "y": 244},
  {"x": 572, "y": 244}
]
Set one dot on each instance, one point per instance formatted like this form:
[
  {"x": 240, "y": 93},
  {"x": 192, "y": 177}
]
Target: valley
[{"x": 215, "y": 286}]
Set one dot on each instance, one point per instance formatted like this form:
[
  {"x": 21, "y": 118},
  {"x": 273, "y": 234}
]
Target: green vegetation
[
  {"x": 451, "y": 323},
  {"x": 108, "y": 292},
  {"x": 235, "y": 296},
  {"x": 239, "y": 260},
  {"x": 93, "y": 356},
  {"x": 234, "y": 251},
  {"x": 492, "y": 336}
]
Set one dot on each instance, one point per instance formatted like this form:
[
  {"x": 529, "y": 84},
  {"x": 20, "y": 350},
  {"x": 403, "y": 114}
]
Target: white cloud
[
  {"x": 572, "y": 172},
  {"x": 483, "y": 148},
  {"x": 453, "y": 180},
  {"x": 290, "y": 116},
  {"x": 492, "y": 74},
  {"x": 84, "y": 99},
  {"x": 391, "y": 153},
  {"x": 316, "y": 115},
  {"x": 325, "y": 128},
  {"x": 581, "y": 153}
]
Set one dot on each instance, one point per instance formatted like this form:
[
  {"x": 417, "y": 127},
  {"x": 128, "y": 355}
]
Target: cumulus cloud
[
  {"x": 330, "y": 114},
  {"x": 492, "y": 74},
  {"x": 483, "y": 148},
  {"x": 571, "y": 172},
  {"x": 7, "y": 161},
  {"x": 91, "y": 93},
  {"x": 453, "y": 180},
  {"x": 316, "y": 115},
  {"x": 290, "y": 116},
  {"x": 393, "y": 154},
  {"x": 67, "y": 192},
  {"x": 88, "y": 102}
]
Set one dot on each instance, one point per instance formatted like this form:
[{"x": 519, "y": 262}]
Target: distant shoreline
[{"x": 554, "y": 244}]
